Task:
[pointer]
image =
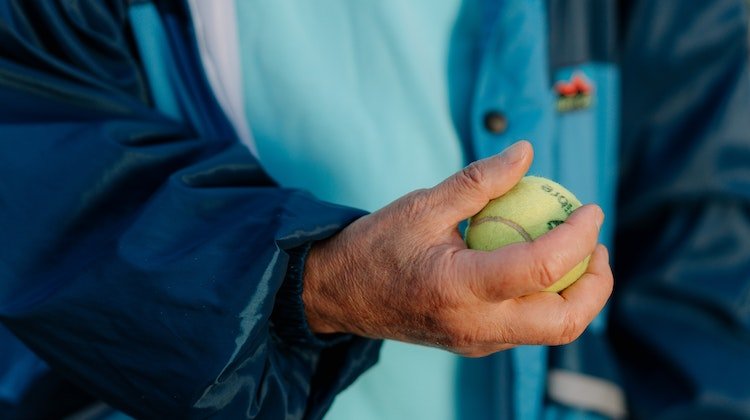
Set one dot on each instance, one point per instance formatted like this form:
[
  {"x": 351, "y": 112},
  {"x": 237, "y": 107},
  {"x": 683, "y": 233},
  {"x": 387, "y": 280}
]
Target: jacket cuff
[{"x": 288, "y": 320}]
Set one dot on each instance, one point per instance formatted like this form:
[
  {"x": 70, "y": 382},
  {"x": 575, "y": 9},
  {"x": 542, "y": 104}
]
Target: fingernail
[
  {"x": 599, "y": 219},
  {"x": 515, "y": 152}
]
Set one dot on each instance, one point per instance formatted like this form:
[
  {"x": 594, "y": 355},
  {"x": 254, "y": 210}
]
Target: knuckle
[
  {"x": 572, "y": 327},
  {"x": 417, "y": 203},
  {"x": 471, "y": 175},
  {"x": 546, "y": 270}
]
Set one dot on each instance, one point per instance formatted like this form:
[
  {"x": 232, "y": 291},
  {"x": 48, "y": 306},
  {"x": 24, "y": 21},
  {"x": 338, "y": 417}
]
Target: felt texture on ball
[{"x": 532, "y": 208}]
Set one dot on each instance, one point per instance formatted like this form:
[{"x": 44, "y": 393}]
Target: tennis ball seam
[
  {"x": 530, "y": 209},
  {"x": 511, "y": 224}
]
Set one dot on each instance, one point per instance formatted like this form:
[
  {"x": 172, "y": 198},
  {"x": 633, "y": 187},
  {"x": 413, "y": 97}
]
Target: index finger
[
  {"x": 553, "y": 319},
  {"x": 524, "y": 268}
]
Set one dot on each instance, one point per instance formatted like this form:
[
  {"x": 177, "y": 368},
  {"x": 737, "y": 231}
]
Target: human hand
[{"x": 404, "y": 272}]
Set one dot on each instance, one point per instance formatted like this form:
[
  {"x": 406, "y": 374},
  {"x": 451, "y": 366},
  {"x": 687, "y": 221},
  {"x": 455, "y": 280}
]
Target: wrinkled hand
[{"x": 404, "y": 273}]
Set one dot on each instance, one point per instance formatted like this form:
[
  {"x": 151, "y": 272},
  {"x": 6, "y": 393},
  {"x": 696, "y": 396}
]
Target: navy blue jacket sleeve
[
  {"x": 681, "y": 313},
  {"x": 157, "y": 267}
]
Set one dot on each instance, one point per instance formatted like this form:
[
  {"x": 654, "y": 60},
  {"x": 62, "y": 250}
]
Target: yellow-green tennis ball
[{"x": 530, "y": 209}]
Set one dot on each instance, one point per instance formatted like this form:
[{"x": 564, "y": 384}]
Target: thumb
[{"x": 466, "y": 192}]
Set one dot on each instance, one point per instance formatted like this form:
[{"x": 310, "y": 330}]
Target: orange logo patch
[{"x": 574, "y": 94}]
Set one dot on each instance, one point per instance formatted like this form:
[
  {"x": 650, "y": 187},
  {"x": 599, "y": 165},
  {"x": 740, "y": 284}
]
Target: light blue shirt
[{"x": 351, "y": 101}]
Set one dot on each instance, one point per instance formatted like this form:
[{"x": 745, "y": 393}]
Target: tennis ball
[{"x": 530, "y": 209}]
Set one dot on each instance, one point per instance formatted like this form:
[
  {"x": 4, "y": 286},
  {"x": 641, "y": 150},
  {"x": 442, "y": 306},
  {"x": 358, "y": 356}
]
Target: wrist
[{"x": 319, "y": 296}]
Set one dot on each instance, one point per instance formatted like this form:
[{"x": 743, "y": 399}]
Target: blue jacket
[{"x": 152, "y": 262}]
